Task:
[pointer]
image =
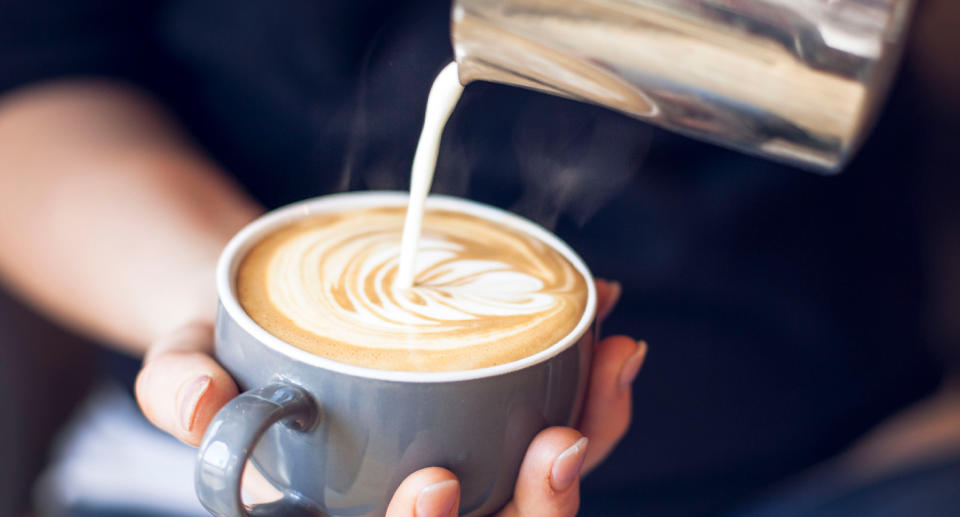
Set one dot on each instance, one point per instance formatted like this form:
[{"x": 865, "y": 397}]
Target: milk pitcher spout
[{"x": 799, "y": 81}]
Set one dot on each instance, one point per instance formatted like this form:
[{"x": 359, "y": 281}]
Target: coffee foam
[{"x": 484, "y": 294}]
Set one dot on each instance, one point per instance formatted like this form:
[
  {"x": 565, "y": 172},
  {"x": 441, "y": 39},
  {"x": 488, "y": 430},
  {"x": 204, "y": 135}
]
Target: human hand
[
  {"x": 549, "y": 481},
  {"x": 180, "y": 386}
]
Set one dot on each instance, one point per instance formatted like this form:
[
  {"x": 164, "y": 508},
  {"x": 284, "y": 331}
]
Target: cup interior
[{"x": 241, "y": 243}]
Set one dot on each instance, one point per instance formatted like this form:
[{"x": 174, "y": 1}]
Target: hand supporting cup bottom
[
  {"x": 181, "y": 387},
  {"x": 549, "y": 481}
]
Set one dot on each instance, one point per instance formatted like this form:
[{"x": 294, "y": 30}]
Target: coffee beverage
[
  {"x": 474, "y": 324},
  {"x": 311, "y": 287},
  {"x": 484, "y": 294}
]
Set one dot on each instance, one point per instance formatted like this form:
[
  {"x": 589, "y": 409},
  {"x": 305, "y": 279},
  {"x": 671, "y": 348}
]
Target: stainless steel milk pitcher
[{"x": 799, "y": 81}]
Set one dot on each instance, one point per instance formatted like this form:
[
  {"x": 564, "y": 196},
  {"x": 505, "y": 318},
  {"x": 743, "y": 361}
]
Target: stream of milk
[{"x": 444, "y": 95}]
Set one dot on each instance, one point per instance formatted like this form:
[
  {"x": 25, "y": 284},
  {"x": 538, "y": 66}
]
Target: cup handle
[{"x": 230, "y": 439}]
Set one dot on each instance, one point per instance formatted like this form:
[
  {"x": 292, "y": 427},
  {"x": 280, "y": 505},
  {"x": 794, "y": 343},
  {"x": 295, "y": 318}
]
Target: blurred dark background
[{"x": 45, "y": 371}]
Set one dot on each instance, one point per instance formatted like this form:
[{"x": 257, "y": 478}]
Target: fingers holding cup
[
  {"x": 430, "y": 492},
  {"x": 608, "y": 409},
  {"x": 549, "y": 480},
  {"x": 180, "y": 386},
  {"x": 608, "y": 294}
]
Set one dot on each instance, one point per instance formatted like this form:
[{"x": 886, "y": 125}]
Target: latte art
[{"x": 483, "y": 294}]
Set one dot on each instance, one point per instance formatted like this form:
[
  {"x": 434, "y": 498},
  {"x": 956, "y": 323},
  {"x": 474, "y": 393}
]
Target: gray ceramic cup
[{"x": 337, "y": 439}]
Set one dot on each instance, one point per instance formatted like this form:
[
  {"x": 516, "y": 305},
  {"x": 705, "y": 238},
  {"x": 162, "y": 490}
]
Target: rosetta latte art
[{"x": 483, "y": 294}]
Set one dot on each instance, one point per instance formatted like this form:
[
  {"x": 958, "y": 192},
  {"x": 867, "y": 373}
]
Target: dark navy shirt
[{"x": 784, "y": 310}]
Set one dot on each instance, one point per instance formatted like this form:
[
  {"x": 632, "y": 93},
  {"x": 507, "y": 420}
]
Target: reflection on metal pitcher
[{"x": 795, "y": 80}]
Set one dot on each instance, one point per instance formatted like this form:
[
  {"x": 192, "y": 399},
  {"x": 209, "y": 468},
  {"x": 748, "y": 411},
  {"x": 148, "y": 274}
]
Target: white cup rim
[{"x": 238, "y": 247}]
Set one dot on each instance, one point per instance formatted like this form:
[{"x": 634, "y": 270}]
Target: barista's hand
[
  {"x": 549, "y": 482},
  {"x": 181, "y": 387}
]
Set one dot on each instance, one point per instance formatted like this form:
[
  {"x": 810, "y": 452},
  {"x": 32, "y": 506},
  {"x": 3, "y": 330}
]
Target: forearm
[{"x": 111, "y": 221}]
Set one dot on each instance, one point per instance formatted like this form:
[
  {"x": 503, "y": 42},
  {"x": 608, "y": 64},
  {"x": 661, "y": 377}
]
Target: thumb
[
  {"x": 549, "y": 481},
  {"x": 180, "y": 386},
  {"x": 430, "y": 492}
]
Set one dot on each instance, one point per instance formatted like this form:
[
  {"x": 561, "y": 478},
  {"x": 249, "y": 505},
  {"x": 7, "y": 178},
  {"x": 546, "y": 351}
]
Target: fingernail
[
  {"x": 567, "y": 466},
  {"x": 189, "y": 398},
  {"x": 615, "y": 290},
  {"x": 437, "y": 500},
  {"x": 631, "y": 367}
]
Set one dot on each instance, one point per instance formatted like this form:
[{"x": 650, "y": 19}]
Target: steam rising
[
  {"x": 571, "y": 159},
  {"x": 574, "y": 162}
]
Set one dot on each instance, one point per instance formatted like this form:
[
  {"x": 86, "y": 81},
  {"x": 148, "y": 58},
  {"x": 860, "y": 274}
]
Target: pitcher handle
[{"x": 231, "y": 438}]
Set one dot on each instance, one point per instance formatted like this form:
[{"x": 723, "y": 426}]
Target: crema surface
[{"x": 483, "y": 295}]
